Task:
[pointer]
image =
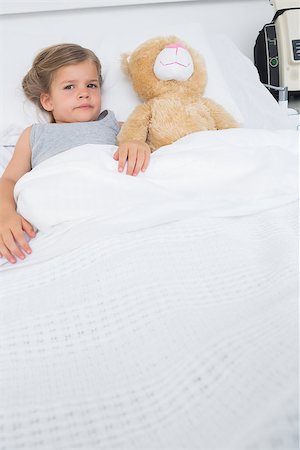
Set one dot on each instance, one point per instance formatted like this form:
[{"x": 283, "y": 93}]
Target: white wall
[
  {"x": 241, "y": 20},
  {"x": 15, "y": 6}
]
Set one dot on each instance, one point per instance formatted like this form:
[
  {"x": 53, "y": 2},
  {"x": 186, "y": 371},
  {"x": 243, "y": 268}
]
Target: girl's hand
[
  {"x": 137, "y": 155},
  {"x": 12, "y": 239}
]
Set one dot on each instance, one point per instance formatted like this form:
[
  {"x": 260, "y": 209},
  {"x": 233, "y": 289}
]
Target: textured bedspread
[
  {"x": 215, "y": 173},
  {"x": 176, "y": 333}
]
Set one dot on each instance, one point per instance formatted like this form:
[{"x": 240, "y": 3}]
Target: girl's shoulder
[
  {"x": 107, "y": 114},
  {"x": 25, "y": 135},
  {"x": 20, "y": 162},
  {"x": 108, "y": 117},
  {"x": 27, "y": 130},
  {"x": 25, "y": 138}
]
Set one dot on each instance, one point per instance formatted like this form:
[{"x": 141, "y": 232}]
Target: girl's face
[{"x": 74, "y": 94}]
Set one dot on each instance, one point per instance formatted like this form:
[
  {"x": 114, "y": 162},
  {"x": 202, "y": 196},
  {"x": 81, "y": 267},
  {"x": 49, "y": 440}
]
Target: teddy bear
[{"x": 170, "y": 77}]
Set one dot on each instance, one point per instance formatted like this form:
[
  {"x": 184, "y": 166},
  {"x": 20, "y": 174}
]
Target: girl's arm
[{"x": 12, "y": 225}]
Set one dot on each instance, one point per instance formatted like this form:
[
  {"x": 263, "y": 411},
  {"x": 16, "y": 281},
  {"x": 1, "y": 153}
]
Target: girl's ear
[{"x": 46, "y": 102}]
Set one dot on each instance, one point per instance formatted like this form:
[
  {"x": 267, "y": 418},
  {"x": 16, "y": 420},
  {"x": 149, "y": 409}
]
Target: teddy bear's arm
[
  {"x": 221, "y": 117},
  {"x": 136, "y": 126}
]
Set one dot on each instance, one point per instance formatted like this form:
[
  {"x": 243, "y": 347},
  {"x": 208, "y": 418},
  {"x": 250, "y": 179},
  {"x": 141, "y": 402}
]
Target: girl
[{"x": 65, "y": 82}]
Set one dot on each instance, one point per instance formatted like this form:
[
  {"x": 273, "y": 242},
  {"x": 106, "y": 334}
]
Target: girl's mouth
[{"x": 84, "y": 106}]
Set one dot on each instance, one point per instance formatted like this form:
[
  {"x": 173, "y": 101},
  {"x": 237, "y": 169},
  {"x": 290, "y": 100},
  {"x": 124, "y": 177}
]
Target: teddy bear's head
[{"x": 165, "y": 65}]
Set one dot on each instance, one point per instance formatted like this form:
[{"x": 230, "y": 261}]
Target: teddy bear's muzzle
[{"x": 174, "y": 62}]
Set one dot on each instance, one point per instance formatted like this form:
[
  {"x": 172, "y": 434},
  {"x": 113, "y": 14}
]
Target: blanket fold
[{"x": 216, "y": 173}]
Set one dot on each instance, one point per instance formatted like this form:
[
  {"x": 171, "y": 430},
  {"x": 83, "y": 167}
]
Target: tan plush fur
[{"x": 171, "y": 109}]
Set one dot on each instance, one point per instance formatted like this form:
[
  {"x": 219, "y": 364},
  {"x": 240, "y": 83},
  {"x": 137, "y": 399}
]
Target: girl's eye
[
  {"x": 92, "y": 85},
  {"x": 69, "y": 86}
]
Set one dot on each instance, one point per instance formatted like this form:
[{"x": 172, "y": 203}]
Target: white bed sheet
[
  {"x": 175, "y": 336},
  {"x": 180, "y": 333}
]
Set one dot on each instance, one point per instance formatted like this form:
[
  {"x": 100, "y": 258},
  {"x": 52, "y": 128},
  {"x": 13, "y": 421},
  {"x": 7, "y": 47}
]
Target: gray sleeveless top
[{"x": 49, "y": 139}]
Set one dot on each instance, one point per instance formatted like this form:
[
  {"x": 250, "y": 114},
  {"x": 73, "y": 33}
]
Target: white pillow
[
  {"x": 18, "y": 52},
  {"x": 232, "y": 79},
  {"x": 117, "y": 92}
]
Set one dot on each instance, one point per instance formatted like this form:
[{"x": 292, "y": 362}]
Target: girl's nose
[{"x": 83, "y": 93}]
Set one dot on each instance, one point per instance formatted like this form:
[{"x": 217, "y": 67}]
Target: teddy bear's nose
[{"x": 176, "y": 45}]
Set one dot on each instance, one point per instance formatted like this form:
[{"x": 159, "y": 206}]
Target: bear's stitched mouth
[{"x": 175, "y": 62}]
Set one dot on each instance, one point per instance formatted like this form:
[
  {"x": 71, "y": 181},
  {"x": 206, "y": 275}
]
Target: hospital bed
[{"x": 159, "y": 311}]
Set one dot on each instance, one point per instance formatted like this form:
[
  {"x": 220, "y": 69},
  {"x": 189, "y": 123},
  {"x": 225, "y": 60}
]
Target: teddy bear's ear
[{"x": 125, "y": 63}]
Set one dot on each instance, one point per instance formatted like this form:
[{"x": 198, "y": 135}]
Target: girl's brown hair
[{"x": 45, "y": 64}]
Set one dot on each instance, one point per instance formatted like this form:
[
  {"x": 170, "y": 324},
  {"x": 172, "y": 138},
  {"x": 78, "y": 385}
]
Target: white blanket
[
  {"x": 174, "y": 332},
  {"x": 222, "y": 173}
]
